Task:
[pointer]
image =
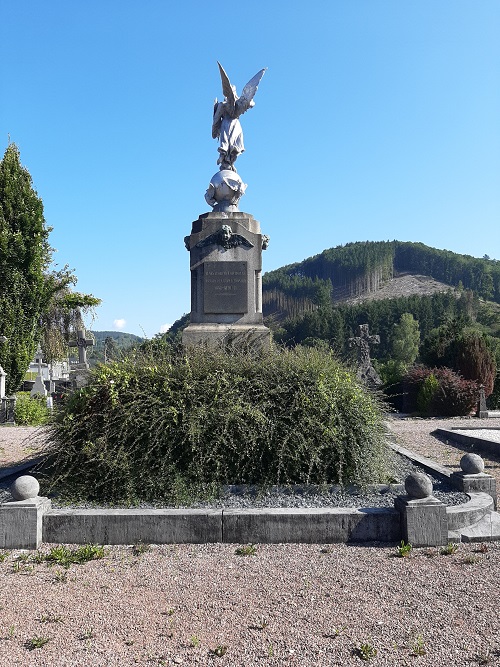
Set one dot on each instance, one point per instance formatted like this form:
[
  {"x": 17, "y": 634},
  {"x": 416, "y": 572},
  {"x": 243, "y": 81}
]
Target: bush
[
  {"x": 30, "y": 411},
  {"x": 452, "y": 397},
  {"x": 161, "y": 424},
  {"x": 427, "y": 393}
]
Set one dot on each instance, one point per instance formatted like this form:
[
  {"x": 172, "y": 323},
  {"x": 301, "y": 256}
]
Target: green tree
[
  {"x": 404, "y": 346},
  {"x": 29, "y": 290},
  {"x": 405, "y": 340},
  {"x": 111, "y": 351}
]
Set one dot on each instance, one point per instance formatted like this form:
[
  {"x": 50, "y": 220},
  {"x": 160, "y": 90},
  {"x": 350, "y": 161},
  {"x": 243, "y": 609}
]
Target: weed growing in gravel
[
  {"x": 194, "y": 641},
  {"x": 51, "y": 618},
  {"x": 470, "y": 559},
  {"x": 219, "y": 651},
  {"x": 366, "y": 651},
  {"x": 61, "y": 577},
  {"x": 270, "y": 651},
  {"x": 63, "y": 555},
  {"x": 36, "y": 642},
  {"x": 336, "y": 632},
  {"x": 86, "y": 634},
  {"x": 4, "y": 555},
  {"x": 404, "y": 550},
  {"x": 419, "y": 646},
  {"x": 449, "y": 549},
  {"x": 23, "y": 567},
  {"x": 262, "y": 622},
  {"x": 141, "y": 548},
  {"x": 247, "y": 550},
  {"x": 12, "y": 632}
]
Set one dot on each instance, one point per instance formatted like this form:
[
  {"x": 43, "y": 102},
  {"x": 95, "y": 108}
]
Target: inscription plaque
[{"x": 225, "y": 287}]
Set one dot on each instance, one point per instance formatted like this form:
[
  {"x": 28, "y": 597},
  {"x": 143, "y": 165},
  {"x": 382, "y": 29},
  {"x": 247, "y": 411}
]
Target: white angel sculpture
[{"x": 226, "y": 127}]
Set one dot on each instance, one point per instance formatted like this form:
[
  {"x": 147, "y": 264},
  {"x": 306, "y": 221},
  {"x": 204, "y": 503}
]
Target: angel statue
[{"x": 226, "y": 127}]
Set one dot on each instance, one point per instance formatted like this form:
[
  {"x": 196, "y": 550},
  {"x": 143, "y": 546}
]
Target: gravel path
[{"x": 285, "y": 605}]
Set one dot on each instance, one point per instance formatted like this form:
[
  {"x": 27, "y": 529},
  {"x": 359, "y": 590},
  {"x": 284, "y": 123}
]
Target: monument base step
[
  {"x": 485, "y": 530},
  {"x": 217, "y": 334}
]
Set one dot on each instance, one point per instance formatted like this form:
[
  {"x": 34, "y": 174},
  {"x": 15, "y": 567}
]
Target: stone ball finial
[
  {"x": 472, "y": 464},
  {"x": 418, "y": 485},
  {"x": 25, "y": 487}
]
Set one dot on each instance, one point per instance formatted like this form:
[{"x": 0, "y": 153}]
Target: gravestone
[
  {"x": 79, "y": 371},
  {"x": 366, "y": 373},
  {"x": 225, "y": 245},
  {"x": 39, "y": 388}
]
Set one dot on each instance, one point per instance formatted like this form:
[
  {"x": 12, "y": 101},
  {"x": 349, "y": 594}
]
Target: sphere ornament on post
[
  {"x": 472, "y": 464},
  {"x": 25, "y": 488},
  {"x": 225, "y": 191},
  {"x": 418, "y": 485}
]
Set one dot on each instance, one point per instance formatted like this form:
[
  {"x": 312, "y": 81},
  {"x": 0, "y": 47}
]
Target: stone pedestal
[
  {"x": 475, "y": 483},
  {"x": 423, "y": 521},
  {"x": 226, "y": 280},
  {"x": 21, "y": 523},
  {"x": 79, "y": 375}
]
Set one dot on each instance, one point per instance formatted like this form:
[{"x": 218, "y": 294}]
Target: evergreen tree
[
  {"x": 405, "y": 340},
  {"x": 24, "y": 257},
  {"x": 32, "y": 300}
]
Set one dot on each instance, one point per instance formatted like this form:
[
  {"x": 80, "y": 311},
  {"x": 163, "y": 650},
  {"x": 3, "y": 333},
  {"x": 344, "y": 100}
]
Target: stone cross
[
  {"x": 362, "y": 341},
  {"x": 3, "y": 375},
  {"x": 82, "y": 343}
]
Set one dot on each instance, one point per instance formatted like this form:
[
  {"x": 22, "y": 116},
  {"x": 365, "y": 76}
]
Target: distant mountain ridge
[{"x": 360, "y": 270}]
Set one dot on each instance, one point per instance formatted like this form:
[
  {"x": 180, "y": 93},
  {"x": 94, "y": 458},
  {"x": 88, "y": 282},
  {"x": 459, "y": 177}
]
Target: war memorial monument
[{"x": 225, "y": 245}]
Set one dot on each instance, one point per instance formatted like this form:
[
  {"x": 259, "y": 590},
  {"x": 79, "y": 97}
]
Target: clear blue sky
[{"x": 375, "y": 120}]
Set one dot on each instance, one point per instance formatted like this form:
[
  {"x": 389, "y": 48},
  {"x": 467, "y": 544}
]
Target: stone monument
[
  {"x": 366, "y": 373},
  {"x": 79, "y": 371},
  {"x": 225, "y": 245}
]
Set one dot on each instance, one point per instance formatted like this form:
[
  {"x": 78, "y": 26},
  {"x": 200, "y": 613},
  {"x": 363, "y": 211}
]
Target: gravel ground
[{"x": 285, "y": 605}]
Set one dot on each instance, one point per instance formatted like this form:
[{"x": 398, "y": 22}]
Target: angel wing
[
  {"x": 244, "y": 102},
  {"x": 227, "y": 89},
  {"x": 217, "y": 119}
]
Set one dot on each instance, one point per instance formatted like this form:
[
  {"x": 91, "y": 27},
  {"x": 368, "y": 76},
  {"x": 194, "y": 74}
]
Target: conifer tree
[{"x": 29, "y": 294}]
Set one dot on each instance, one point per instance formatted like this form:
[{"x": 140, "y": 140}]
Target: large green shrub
[
  {"x": 30, "y": 411},
  {"x": 166, "y": 420}
]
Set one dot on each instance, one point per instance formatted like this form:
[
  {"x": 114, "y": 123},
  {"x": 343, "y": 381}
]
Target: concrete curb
[
  {"x": 427, "y": 464},
  {"x": 264, "y": 526},
  {"x": 462, "y": 516},
  {"x": 480, "y": 444},
  {"x": 13, "y": 470}
]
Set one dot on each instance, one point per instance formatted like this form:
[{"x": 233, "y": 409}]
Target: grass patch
[{"x": 64, "y": 556}]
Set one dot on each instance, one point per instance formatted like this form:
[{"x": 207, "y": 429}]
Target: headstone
[
  {"x": 482, "y": 410},
  {"x": 225, "y": 245},
  {"x": 38, "y": 388},
  {"x": 366, "y": 373}
]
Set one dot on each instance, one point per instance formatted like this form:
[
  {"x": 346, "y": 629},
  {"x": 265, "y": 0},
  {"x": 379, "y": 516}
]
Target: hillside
[
  {"x": 120, "y": 341},
  {"x": 357, "y": 271}
]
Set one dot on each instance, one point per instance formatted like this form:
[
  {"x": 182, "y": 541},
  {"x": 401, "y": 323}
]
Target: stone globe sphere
[
  {"x": 225, "y": 190},
  {"x": 472, "y": 464},
  {"x": 418, "y": 485},
  {"x": 25, "y": 487}
]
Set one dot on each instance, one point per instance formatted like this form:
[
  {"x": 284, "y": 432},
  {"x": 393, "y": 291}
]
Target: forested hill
[{"x": 362, "y": 268}]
